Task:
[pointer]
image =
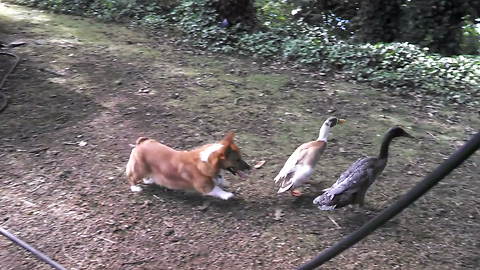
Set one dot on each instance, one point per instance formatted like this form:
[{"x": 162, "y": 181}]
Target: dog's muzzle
[
  {"x": 239, "y": 172},
  {"x": 232, "y": 170}
]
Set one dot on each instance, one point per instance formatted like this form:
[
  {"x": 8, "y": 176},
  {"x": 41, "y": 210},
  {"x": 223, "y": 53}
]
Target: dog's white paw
[
  {"x": 135, "y": 188},
  {"x": 226, "y": 195},
  {"x": 220, "y": 193},
  {"x": 148, "y": 181}
]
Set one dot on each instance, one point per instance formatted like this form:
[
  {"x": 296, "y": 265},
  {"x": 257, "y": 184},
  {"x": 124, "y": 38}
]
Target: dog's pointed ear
[
  {"x": 228, "y": 139},
  {"x": 221, "y": 153}
]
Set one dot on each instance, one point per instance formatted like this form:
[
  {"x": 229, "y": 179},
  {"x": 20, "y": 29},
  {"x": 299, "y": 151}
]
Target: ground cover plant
[{"x": 399, "y": 67}]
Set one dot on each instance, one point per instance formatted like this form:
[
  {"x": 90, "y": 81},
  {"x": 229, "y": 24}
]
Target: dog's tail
[{"x": 140, "y": 140}]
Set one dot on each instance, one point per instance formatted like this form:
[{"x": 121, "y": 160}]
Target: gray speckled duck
[{"x": 351, "y": 186}]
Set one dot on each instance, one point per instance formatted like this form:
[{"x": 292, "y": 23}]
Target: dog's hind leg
[
  {"x": 148, "y": 180},
  {"x": 136, "y": 188},
  {"x": 135, "y": 172}
]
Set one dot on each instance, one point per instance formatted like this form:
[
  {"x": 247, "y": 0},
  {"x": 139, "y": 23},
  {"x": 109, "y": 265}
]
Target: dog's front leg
[
  {"x": 220, "y": 180},
  {"x": 220, "y": 193}
]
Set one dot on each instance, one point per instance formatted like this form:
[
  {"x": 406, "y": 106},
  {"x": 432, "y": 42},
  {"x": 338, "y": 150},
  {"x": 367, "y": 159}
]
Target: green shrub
[
  {"x": 108, "y": 10},
  {"x": 471, "y": 36},
  {"x": 398, "y": 67}
]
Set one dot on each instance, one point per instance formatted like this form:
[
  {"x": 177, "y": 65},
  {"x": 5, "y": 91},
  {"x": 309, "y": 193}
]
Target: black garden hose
[
  {"x": 3, "y": 97},
  {"x": 416, "y": 192},
  {"x": 32, "y": 250}
]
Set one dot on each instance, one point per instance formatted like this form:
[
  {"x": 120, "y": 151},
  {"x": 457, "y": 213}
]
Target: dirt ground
[{"x": 84, "y": 91}]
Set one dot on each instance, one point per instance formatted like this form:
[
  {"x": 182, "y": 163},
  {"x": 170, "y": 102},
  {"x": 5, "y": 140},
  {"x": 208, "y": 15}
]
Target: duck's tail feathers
[
  {"x": 327, "y": 207},
  {"x": 324, "y": 201},
  {"x": 282, "y": 175},
  {"x": 287, "y": 185},
  {"x": 286, "y": 173}
]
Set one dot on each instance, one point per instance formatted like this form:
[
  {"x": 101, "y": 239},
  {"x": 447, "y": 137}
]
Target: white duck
[{"x": 299, "y": 166}]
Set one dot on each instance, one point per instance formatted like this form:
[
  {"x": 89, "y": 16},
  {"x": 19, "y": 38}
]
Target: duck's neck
[
  {"x": 324, "y": 131},
  {"x": 387, "y": 139}
]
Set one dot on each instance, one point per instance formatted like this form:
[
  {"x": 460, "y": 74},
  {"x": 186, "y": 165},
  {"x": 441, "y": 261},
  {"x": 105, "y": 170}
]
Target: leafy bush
[
  {"x": 198, "y": 20},
  {"x": 108, "y": 10},
  {"x": 471, "y": 36},
  {"x": 399, "y": 67},
  {"x": 275, "y": 13}
]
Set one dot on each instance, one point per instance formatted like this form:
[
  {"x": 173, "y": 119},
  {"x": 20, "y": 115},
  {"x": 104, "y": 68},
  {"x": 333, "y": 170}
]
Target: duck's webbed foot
[{"x": 296, "y": 192}]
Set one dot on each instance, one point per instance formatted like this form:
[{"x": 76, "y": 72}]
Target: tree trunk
[
  {"x": 437, "y": 24},
  {"x": 377, "y": 20},
  {"x": 237, "y": 12}
]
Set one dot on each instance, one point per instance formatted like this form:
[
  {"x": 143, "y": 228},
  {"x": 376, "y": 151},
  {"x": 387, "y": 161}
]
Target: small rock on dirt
[
  {"x": 278, "y": 214},
  {"x": 169, "y": 232}
]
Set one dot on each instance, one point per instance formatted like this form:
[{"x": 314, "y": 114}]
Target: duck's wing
[
  {"x": 348, "y": 184},
  {"x": 296, "y": 178},
  {"x": 299, "y": 166},
  {"x": 291, "y": 163},
  {"x": 357, "y": 174}
]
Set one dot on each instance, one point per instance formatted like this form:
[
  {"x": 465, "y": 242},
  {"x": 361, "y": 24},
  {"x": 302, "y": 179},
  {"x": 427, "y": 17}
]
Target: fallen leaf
[
  {"x": 169, "y": 224},
  {"x": 16, "y": 43},
  {"x": 259, "y": 164}
]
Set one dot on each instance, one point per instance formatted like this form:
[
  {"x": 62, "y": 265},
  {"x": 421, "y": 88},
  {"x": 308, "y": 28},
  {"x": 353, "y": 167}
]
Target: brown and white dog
[{"x": 198, "y": 169}]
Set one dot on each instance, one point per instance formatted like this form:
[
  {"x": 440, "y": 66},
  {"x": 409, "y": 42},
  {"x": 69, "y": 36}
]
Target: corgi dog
[{"x": 198, "y": 169}]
